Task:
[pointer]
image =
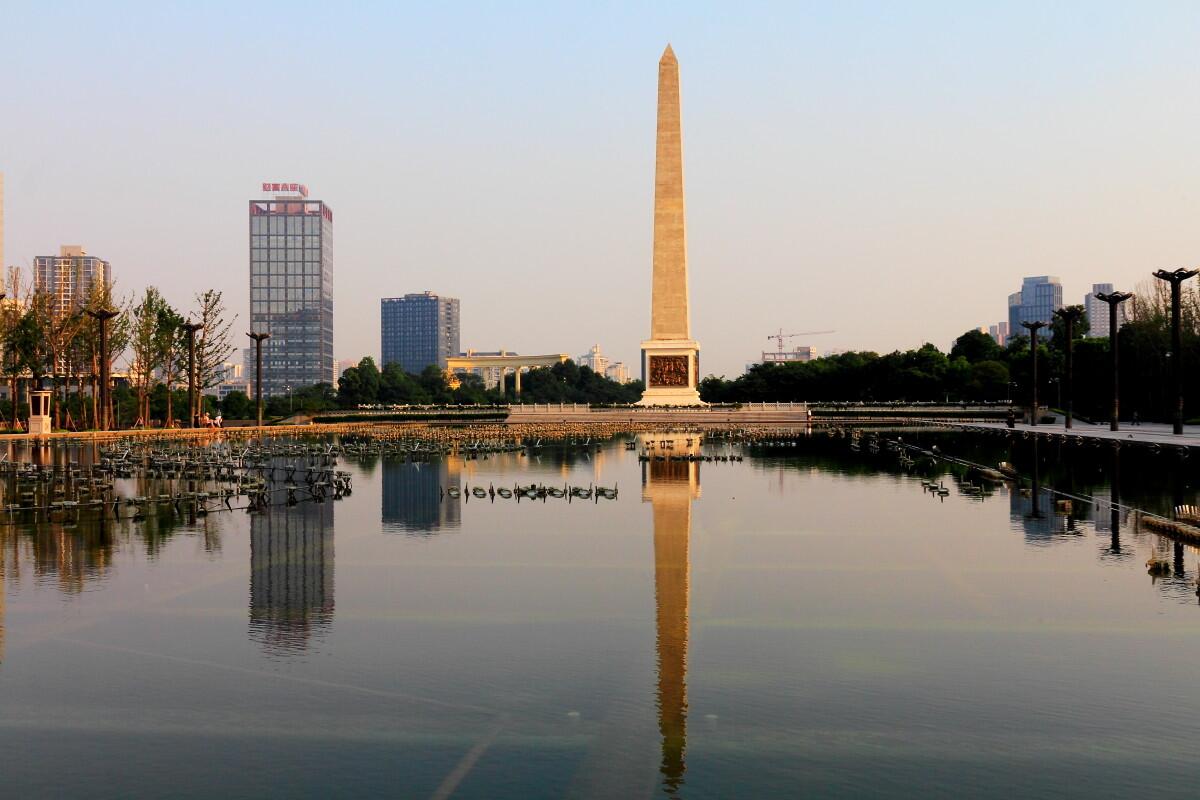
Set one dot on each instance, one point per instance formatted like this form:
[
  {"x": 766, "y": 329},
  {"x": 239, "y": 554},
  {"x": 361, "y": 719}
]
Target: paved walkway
[{"x": 1148, "y": 433}]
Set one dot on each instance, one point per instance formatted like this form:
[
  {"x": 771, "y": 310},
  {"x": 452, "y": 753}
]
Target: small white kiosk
[{"x": 39, "y": 412}]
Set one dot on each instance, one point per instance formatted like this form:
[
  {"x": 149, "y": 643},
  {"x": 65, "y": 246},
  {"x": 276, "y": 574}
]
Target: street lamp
[
  {"x": 258, "y": 340},
  {"x": 1069, "y": 316},
  {"x": 1114, "y": 299},
  {"x": 1033, "y": 328},
  {"x": 102, "y": 316},
  {"x": 191, "y": 328},
  {"x": 1176, "y": 279}
]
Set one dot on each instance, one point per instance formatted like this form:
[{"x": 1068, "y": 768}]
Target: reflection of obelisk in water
[
  {"x": 670, "y": 358},
  {"x": 3, "y": 599},
  {"x": 291, "y": 575},
  {"x": 670, "y": 487}
]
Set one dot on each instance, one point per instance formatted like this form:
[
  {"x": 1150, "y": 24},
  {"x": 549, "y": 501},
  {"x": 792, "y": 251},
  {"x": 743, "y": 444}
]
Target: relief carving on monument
[{"x": 669, "y": 371}]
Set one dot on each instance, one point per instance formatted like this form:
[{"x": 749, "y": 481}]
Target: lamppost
[
  {"x": 258, "y": 340},
  {"x": 1033, "y": 328},
  {"x": 1114, "y": 299},
  {"x": 288, "y": 386},
  {"x": 1069, "y": 315},
  {"x": 191, "y": 328},
  {"x": 1176, "y": 279},
  {"x": 102, "y": 316}
]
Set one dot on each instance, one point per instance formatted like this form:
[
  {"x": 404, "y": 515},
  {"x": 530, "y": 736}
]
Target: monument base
[{"x": 671, "y": 371}]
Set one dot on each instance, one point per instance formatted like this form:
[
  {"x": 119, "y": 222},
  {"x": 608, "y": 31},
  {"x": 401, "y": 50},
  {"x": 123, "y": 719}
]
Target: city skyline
[{"x": 491, "y": 172}]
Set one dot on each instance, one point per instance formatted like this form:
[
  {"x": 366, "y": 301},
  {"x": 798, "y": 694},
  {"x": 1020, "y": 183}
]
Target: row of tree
[
  {"x": 977, "y": 368},
  {"x": 561, "y": 383},
  {"x": 49, "y": 342}
]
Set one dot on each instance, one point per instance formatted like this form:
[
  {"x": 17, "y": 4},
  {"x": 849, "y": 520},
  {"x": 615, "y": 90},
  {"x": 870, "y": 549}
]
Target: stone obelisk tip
[{"x": 668, "y": 54}]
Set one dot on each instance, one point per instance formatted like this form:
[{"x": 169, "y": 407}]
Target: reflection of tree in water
[
  {"x": 291, "y": 576},
  {"x": 70, "y": 556},
  {"x": 412, "y": 495},
  {"x": 670, "y": 487},
  {"x": 1063, "y": 483}
]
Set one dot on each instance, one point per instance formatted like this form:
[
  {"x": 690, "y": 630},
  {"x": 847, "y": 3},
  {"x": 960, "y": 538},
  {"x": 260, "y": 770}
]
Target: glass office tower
[
  {"x": 291, "y": 287},
  {"x": 417, "y": 330},
  {"x": 1037, "y": 301}
]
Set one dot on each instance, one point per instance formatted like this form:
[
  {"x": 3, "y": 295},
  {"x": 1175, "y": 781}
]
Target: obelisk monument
[{"x": 670, "y": 358}]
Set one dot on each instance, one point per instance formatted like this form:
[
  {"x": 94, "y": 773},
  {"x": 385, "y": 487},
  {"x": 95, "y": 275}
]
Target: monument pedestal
[{"x": 671, "y": 369}]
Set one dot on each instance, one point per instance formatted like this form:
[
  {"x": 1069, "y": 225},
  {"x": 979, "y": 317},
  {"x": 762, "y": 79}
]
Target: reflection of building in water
[
  {"x": 291, "y": 575},
  {"x": 412, "y": 495},
  {"x": 670, "y": 487},
  {"x": 1037, "y": 519},
  {"x": 72, "y": 555},
  {"x": 3, "y": 596}
]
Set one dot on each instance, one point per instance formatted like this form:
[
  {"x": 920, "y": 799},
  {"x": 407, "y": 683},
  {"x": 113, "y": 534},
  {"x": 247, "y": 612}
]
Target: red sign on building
[{"x": 285, "y": 187}]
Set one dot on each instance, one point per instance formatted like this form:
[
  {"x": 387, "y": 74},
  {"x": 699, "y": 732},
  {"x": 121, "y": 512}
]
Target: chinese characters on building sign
[{"x": 285, "y": 187}]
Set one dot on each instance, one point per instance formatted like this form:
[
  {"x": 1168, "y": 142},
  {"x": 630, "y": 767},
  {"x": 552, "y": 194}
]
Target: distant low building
[
  {"x": 788, "y": 356},
  {"x": 492, "y": 376},
  {"x": 617, "y": 371},
  {"x": 223, "y": 390}
]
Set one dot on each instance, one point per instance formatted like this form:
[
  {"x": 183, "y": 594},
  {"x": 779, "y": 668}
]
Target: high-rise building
[
  {"x": 1097, "y": 311},
  {"x": 291, "y": 286},
  {"x": 1037, "y": 301},
  {"x": 999, "y": 332},
  {"x": 70, "y": 277},
  {"x": 594, "y": 360},
  {"x": 417, "y": 330}
]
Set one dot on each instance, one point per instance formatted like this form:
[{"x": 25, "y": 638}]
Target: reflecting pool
[{"x": 810, "y": 620}]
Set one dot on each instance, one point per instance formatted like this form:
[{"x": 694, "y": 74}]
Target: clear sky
[{"x": 887, "y": 170}]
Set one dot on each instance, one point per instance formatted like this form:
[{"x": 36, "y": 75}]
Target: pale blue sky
[{"x": 888, "y": 170}]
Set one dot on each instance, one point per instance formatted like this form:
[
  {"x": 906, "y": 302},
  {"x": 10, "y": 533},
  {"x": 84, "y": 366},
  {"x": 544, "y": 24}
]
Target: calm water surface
[{"x": 807, "y": 622}]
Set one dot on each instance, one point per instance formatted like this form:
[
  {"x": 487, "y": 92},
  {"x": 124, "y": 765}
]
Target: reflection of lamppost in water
[{"x": 670, "y": 486}]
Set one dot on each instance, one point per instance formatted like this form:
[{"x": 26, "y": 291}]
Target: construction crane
[{"x": 779, "y": 337}]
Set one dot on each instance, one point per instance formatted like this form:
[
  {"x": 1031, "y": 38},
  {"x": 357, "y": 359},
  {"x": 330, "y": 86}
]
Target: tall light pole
[
  {"x": 258, "y": 340},
  {"x": 1033, "y": 328},
  {"x": 1176, "y": 280},
  {"x": 1114, "y": 299},
  {"x": 102, "y": 316},
  {"x": 191, "y": 328},
  {"x": 1069, "y": 315}
]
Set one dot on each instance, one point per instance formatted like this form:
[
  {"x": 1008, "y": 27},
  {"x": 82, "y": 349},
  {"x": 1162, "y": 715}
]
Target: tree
[
  {"x": 975, "y": 346},
  {"x": 398, "y": 386},
  {"x": 237, "y": 405},
  {"x": 1058, "y": 329},
  {"x": 171, "y": 358},
  {"x": 213, "y": 343},
  {"x": 360, "y": 384},
  {"x": 146, "y": 348}
]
